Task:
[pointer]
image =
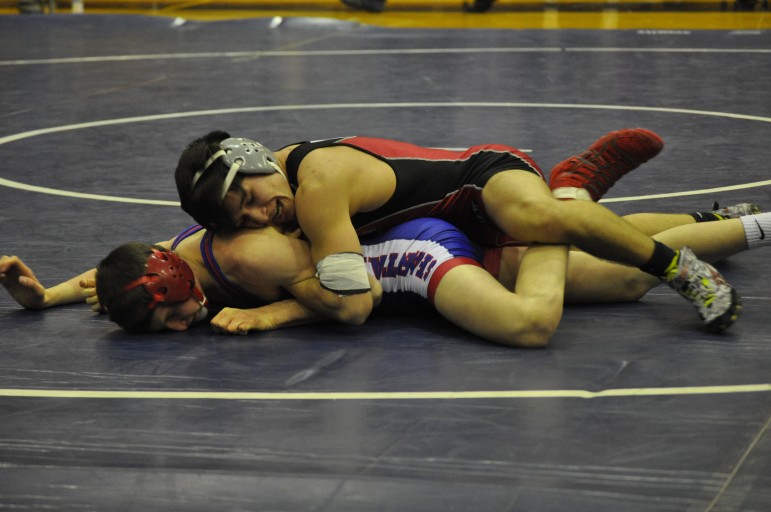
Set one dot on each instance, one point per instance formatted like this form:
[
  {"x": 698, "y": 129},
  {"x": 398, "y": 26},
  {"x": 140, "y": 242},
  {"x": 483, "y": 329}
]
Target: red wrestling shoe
[{"x": 590, "y": 174}]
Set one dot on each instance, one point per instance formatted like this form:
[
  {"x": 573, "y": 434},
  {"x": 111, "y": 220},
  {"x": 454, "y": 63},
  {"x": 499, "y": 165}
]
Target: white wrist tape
[
  {"x": 571, "y": 193},
  {"x": 343, "y": 273}
]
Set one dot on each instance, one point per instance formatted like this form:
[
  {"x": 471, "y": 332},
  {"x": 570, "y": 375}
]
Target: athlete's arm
[
  {"x": 266, "y": 262},
  {"x": 285, "y": 313},
  {"x": 28, "y": 291},
  {"x": 324, "y": 205}
]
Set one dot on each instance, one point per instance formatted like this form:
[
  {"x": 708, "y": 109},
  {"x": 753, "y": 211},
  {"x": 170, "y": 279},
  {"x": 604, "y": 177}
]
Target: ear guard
[
  {"x": 244, "y": 156},
  {"x": 168, "y": 279}
]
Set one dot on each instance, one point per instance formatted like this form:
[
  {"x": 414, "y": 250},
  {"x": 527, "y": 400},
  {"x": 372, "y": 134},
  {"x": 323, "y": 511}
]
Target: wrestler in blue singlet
[
  {"x": 412, "y": 258},
  {"x": 408, "y": 260}
]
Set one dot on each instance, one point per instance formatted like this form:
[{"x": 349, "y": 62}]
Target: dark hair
[
  {"x": 204, "y": 201},
  {"x": 123, "y": 265}
]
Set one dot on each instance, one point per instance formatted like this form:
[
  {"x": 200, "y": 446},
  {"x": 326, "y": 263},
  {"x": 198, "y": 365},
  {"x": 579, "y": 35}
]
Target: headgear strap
[
  {"x": 241, "y": 155},
  {"x": 168, "y": 279}
]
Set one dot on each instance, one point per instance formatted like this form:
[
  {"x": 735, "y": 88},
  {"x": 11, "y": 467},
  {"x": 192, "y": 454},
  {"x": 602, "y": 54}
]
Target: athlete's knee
[
  {"x": 516, "y": 193},
  {"x": 537, "y": 336},
  {"x": 549, "y": 223},
  {"x": 537, "y": 325},
  {"x": 540, "y": 219}
]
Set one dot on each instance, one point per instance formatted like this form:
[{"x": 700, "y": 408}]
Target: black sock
[
  {"x": 706, "y": 216},
  {"x": 662, "y": 259}
]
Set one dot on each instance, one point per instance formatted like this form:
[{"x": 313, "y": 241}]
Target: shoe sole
[
  {"x": 727, "y": 319},
  {"x": 612, "y": 140}
]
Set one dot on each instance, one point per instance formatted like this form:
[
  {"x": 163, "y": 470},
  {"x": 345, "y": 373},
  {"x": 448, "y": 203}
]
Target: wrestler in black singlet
[{"x": 430, "y": 182}]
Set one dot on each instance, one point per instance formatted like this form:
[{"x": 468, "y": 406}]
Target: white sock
[
  {"x": 757, "y": 229},
  {"x": 571, "y": 193}
]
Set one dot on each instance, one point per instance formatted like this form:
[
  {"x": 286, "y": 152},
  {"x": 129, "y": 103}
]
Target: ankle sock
[
  {"x": 661, "y": 261},
  {"x": 706, "y": 216},
  {"x": 757, "y": 229}
]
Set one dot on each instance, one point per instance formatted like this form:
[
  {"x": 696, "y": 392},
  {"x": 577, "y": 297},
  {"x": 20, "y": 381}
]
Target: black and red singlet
[{"x": 430, "y": 182}]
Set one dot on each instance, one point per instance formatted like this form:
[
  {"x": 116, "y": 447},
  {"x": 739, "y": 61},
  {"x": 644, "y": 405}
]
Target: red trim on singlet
[
  {"x": 492, "y": 261},
  {"x": 442, "y": 269},
  {"x": 398, "y": 150}
]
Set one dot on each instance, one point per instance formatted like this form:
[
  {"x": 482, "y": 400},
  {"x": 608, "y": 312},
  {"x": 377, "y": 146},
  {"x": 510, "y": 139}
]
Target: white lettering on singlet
[{"x": 405, "y": 265}]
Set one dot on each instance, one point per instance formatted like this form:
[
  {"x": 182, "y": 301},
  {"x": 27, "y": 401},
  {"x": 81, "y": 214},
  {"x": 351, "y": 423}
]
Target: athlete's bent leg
[
  {"x": 473, "y": 299},
  {"x": 652, "y": 223},
  {"x": 593, "y": 280},
  {"x": 649, "y": 223},
  {"x": 521, "y": 204},
  {"x": 515, "y": 200},
  {"x": 712, "y": 241}
]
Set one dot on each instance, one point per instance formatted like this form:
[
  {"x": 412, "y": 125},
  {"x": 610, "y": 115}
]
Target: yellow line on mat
[{"x": 407, "y": 395}]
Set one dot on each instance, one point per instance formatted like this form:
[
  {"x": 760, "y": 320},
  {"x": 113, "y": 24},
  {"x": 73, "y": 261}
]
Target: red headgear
[{"x": 168, "y": 279}]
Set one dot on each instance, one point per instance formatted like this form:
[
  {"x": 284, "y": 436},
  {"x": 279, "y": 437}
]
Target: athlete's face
[
  {"x": 178, "y": 316},
  {"x": 263, "y": 200}
]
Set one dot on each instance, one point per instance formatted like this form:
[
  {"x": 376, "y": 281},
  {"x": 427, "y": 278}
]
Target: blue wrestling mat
[{"x": 632, "y": 408}]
